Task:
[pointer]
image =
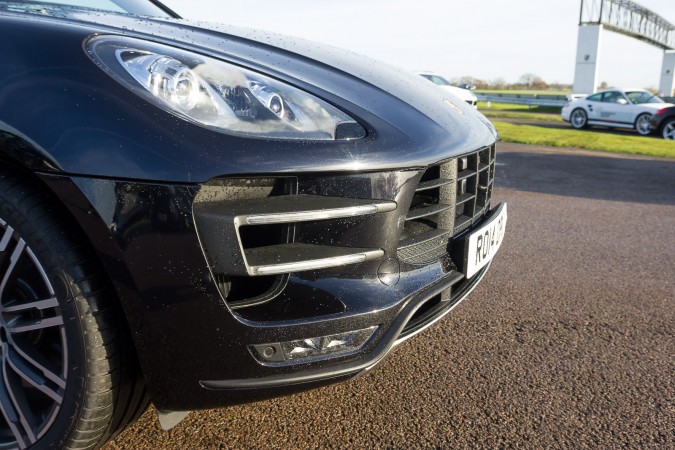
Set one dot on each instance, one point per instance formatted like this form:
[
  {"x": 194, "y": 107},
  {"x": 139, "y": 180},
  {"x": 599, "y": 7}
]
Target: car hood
[
  {"x": 410, "y": 122},
  {"x": 276, "y": 54}
]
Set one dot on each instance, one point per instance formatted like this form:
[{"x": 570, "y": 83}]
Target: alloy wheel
[
  {"x": 642, "y": 124},
  {"x": 579, "y": 118},
  {"x": 33, "y": 351},
  {"x": 669, "y": 130}
]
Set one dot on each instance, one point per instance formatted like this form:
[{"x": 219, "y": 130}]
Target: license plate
[{"x": 482, "y": 244}]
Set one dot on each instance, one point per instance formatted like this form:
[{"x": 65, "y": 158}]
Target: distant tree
[
  {"x": 539, "y": 85},
  {"x": 529, "y": 80},
  {"x": 497, "y": 84},
  {"x": 556, "y": 86}
]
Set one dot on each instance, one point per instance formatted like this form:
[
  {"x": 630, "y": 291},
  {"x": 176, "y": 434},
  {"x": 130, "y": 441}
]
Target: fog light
[{"x": 309, "y": 349}]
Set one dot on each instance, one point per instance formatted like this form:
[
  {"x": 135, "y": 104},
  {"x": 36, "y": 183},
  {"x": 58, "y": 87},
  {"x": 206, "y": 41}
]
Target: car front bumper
[{"x": 186, "y": 264}]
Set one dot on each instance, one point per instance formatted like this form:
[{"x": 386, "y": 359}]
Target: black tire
[
  {"x": 642, "y": 124},
  {"x": 579, "y": 119},
  {"x": 668, "y": 129},
  {"x": 69, "y": 375}
]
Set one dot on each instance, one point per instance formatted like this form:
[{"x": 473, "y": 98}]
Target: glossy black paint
[
  {"x": 174, "y": 307},
  {"x": 129, "y": 172}
]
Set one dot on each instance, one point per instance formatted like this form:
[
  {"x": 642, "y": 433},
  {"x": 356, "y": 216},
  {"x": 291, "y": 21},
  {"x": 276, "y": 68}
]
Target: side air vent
[{"x": 251, "y": 231}]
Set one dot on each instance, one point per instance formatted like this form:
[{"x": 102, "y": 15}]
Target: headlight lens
[{"x": 219, "y": 95}]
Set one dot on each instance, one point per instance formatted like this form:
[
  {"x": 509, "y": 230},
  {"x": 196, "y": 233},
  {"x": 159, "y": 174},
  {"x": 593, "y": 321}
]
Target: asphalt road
[{"x": 568, "y": 342}]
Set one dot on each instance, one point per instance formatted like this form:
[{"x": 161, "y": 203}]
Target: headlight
[{"x": 219, "y": 95}]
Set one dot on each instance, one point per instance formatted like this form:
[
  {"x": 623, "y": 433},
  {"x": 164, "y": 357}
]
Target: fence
[{"x": 525, "y": 99}]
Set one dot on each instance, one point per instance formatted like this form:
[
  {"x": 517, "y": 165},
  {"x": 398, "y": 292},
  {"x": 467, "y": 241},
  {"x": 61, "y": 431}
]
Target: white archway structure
[{"x": 628, "y": 18}]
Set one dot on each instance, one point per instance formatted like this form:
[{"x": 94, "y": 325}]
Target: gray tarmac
[{"x": 569, "y": 342}]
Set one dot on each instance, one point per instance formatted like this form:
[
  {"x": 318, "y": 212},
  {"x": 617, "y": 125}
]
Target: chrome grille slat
[
  {"x": 464, "y": 174},
  {"x": 426, "y": 210},
  {"x": 463, "y": 198},
  {"x": 431, "y": 184}
]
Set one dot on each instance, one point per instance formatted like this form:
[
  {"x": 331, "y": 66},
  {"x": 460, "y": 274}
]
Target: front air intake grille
[
  {"x": 475, "y": 177},
  {"x": 449, "y": 198}
]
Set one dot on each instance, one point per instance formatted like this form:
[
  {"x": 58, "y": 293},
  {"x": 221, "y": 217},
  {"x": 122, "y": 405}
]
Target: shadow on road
[{"x": 589, "y": 176}]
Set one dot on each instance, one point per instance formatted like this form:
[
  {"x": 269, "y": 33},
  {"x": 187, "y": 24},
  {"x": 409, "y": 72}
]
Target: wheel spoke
[
  {"x": 37, "y": 375},
  {"x": 10, "y": 415},
  {"x": 669, "y": 131},
  {"x": 37, "y": 304},
  {"x": 15, "y": 408},
  {"x": 35, "y": 324},
  {"x": 4, "y": 242},
  {"x": 38, "y": 362},
  {"x": 16, "y": 254}
]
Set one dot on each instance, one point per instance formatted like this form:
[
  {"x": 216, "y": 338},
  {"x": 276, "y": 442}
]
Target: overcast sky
[{"x": 483, "y": 38}]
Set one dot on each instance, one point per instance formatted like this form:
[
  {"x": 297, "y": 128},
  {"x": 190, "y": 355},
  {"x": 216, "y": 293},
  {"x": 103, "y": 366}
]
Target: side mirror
[{"x": 622, "y": 101}]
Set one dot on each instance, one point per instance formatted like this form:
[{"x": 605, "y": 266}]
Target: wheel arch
[
  {"x": 81, "y": 214},
  {"x": 99, "y": 303},
  {"x": 20, "y": 150}
]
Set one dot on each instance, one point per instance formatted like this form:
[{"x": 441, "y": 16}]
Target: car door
[
  {"x": 615, "y": 108},
  {"x": 592, "y": 104}
]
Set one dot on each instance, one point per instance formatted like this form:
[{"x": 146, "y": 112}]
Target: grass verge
[
  {"x": 496, "y": 110},
  {"x": 520, "y": 92},
  {"x": 521, "y": 115},
  {"x": 587, "y": 139},
  {"x": 508, "y": 107}
]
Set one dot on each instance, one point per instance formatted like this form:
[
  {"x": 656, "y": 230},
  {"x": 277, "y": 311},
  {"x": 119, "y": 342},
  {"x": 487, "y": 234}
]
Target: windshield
[
  {"x": 135, "y": 7},
  {"x": 437, "y": 79},
  {"x": 638, "y": 97}
]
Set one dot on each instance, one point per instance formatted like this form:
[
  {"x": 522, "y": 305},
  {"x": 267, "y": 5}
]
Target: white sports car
[
  {"x": 614, "y": 108},
  {"x": 463, "y": 94}
]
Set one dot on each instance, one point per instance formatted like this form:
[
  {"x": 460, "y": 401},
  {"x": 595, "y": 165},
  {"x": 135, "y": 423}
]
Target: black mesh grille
[{"x": 450, "y": 198}]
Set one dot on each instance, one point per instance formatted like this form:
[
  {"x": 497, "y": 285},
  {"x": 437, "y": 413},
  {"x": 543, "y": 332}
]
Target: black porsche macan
[{"x": 199, "y": 216}]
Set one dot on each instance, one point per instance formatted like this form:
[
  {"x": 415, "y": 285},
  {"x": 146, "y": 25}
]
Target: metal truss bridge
[{"x": 629, "y": 18}]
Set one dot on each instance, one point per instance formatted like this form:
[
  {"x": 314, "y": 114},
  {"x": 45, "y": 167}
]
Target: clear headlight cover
[{"x": 219, "y": 95}]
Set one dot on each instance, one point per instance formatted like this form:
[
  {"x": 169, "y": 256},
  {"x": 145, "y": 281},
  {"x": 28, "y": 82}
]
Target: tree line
[{"x": 528, "y": 81}]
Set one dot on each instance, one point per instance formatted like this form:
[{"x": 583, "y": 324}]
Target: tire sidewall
[{"x": 58, "y": 274}]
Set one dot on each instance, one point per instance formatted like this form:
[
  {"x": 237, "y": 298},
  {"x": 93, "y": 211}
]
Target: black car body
[
  {"x": 227, "y": 252},
  {"x": 663, "y": 123}
]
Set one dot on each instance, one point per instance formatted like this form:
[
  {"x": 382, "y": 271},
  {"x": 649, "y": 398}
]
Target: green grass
[
  {"x": 515, "y": 115},
  {"x": 587, "y": 139},
  {"x": 521, "y": 92},
  {"x": 545, "y": 113},
  {"x": 507, "y": 107}
]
